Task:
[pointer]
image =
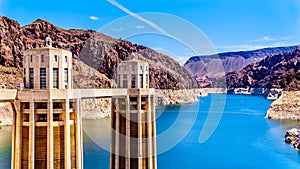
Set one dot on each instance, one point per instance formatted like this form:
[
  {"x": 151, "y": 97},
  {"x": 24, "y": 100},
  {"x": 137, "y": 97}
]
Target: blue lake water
[{"x": 243, "y": 139}]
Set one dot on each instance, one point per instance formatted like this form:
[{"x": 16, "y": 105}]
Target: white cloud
[
  {"x": 247, "y": 47},
  {"x": 271, "y": 39},
  {"x": 263, "y": 39},
  {"x": 139, "y": 27},
  {"x": 117, "y": 29},
  {"x": 94, "y": 18},
  {"x": 287, "y": 38}
]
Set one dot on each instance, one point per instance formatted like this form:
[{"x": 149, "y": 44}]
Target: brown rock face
[
  {"x": 287, "y": 107},
  {"x": 105, "y": 54},
  {"x": 94, "y": 49},
  {"x": 10, "y": 42},
  {"x": 275, "y": 71}
]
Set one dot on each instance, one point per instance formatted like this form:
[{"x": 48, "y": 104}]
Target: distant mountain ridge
[
  {"x": 95, "y": 54},
  {"x": 275, "y": 71},
  {"x": 227, "y": 62}
]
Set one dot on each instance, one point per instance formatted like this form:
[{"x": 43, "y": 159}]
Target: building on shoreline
[
  {"x": 47, "y": 130},
  {"x": 133, "y": 131}
]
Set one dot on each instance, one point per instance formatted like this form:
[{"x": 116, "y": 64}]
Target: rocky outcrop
[
  {"x": 272, "y": 94},
  {"x": 292, "y": 137},
  {"x": 85, "y": 77},
  {"x": 5, "y": 114},
  {"x": 96, "y": 108},
  {"x": 15, "y": 39},
  {"x": 281, "y": 71},
  {"x": 10, "y": 76},
  {"x": 177, "y": 97},
  {"x": 287, "y": 107},
  {"x": 96, "y": 50},
  {"x": 205, "y": 67}
]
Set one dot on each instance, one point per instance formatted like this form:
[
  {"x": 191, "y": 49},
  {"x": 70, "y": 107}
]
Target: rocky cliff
[
  {"x": 6, "y": 114},
  {"x": 104, "y": 56},
  {"x": 287, "y": 107},
  {"x": 292, "y": 137},
  {"x": 178, "y": 97},
  {"x": 98, "y": 51},
  {"x": 275, "y": 71},
  {"x": 230, "y": 62}
]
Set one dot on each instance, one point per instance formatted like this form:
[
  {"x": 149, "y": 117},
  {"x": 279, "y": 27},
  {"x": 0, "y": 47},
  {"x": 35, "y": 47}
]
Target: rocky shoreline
[
  {"x": 270, "y": 94},
  {"x": 5, "y": 114},
  {"x": 292, "y": 137},
  {"x": 287, "y": 107},
  {"x": 100, "y": 108},
  {"x": 177, "y": 97}
]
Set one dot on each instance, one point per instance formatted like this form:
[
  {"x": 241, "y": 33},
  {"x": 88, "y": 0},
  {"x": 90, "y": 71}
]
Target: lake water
[{"x": 244, "y": 139}]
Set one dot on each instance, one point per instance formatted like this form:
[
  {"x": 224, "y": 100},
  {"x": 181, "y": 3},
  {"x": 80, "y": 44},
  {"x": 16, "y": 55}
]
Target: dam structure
[
  {"x": 133, "y": 131},
  {"x": 47, "y": 121},
  {"x": 47, "y": 131}
]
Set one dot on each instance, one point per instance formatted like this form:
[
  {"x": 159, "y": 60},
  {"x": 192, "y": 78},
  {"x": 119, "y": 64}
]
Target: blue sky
[{"x": 230, "y": 25}]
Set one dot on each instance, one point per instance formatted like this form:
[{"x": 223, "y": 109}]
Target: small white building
[
  {"x": 133, "y": 74},
  {"x": 47, "y": 68},
  {"x": 47, "y": 122}
]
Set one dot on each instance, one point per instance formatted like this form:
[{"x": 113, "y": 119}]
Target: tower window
[
  {"x": 132, "y": 67},
  {"x": 24, "y": 78},
  {"x": 24, "y": 81},
  {"x": 55, "y": 58},
  {"x": 31, "y": 86},
  {"x": 42, "y": 58},
  {"x": 66, "y": 76},
  {"x": 132, "y": 81},
  {"x": 125, "y": 84},
  {"x": 141, "y": 81},
  {"x": 147, "y": 80},
  {"x": 30, "y": 58},
  {"x": 55, "y": 78},
  {"x": 42, "y": 71},
  {"x": 119, "y": 80},
  {"x": 66, "y": 59},
  {"x": 31, "y": 72},
  {"x": 31, "y": 78},
  {"x": 43, "y": 78},
  {"x": 43, "y": 82},
  {"x": 141, "y": 67}
]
